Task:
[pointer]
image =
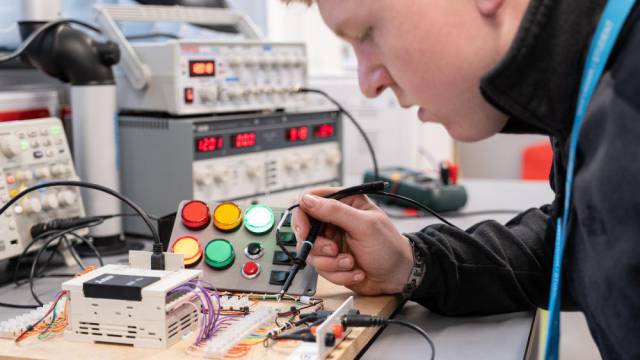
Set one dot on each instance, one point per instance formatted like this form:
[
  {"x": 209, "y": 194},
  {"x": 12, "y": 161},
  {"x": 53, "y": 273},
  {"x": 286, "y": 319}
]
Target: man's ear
[{"x": 489, "y": 7}]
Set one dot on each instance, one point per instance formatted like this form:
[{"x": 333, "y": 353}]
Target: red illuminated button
[
  {"x": 250, "y": 269},
  {"x": 188, "y": 95},
  {"x": 195, "y": 215}
]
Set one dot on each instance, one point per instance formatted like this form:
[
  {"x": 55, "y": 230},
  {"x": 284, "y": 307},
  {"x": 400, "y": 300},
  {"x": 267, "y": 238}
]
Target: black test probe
[
  {"x": 300, "y": 261},
  {"x": 371, "y": 188}
]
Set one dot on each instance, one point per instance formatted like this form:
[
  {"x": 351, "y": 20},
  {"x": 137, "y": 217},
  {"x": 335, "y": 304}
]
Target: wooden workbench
[{"x": 58, "y": 348}]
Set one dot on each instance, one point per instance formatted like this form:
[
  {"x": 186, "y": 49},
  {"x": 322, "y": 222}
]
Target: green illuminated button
[
  {"x": 259, "y": 219},
  {"x": 219, "y": 254},
  {"x": 56, "y": 130}
]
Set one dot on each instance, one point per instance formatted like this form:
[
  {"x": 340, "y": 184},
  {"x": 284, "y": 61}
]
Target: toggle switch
[
  {"x": 280, "y": 258},
  {"x": 288, "y": 238},
  {"x": 278, "y": 277}
]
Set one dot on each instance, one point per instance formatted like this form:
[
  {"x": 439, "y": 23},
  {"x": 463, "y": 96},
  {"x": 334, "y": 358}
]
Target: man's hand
[{"x": 359, "y": 246}]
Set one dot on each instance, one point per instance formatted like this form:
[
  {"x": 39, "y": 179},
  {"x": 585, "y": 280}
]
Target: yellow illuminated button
[
  {"x": 227, "y": 217},
  {"x": 190, "y": 248},
  {"x": 13, "y": 192}
]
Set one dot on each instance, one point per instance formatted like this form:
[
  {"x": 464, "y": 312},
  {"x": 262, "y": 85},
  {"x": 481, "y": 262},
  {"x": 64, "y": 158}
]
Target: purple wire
[
  {"x": 211, "y": 315},
  {"x": 214, "y": 292},
  {"x": 210, "y": 309},
  {"x": 205, "y": 317}
]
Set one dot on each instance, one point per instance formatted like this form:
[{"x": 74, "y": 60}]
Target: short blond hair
[{"x": 308, "y": 2}]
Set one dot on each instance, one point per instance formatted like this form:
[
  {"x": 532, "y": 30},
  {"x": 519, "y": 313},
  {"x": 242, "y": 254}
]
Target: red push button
[
  {"x": 195, "y": 215},
  {"x": 250, "y": 269}
]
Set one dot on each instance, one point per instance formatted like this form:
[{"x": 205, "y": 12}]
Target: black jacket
[{"x": 493, "y": 268}]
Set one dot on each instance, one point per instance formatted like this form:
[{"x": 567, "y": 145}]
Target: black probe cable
[
  {"x": 53, "y": 236},
  {"x": 416, "y": 329},
  {"x": 157, "y": 258},
  {"x": 358, "y": 320},
  {"x": 367, "y": 141},
  {"x": 33, "y": 241},
  {"x": 59, "y": 236}
]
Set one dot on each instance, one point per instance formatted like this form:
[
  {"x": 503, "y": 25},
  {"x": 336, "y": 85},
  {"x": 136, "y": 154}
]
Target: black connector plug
[
  {"x": 62, "y": 224},
  {"x": 157, "y": 258},
  {"x": 357, "y": 320}
]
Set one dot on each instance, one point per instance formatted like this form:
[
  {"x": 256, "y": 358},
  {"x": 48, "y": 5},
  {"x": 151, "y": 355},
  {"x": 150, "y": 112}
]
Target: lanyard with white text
[{"x": 609, "y": 27}]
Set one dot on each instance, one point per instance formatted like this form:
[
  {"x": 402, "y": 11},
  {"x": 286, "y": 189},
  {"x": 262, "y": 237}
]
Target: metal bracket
[{"x": 137, "y": 72}]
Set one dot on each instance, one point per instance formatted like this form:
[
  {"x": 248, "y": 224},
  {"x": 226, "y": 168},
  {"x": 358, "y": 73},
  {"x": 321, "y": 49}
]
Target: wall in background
[{"x": 498, "y": 157}]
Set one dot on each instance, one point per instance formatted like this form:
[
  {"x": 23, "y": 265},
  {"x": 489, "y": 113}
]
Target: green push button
[
  {"x": 259, "y": 219},
  {"x": 219, "y": 254}
]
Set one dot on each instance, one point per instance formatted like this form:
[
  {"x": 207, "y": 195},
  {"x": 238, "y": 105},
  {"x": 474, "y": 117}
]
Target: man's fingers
[
  {"x": 345, "y": 278},
  {"x": 334, "y": 212},
  {"x": 322, "y": 247},
  {"x": 342, "y": 262}
]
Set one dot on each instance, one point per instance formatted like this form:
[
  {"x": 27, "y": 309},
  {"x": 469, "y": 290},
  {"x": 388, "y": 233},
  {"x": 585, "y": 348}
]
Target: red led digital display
[
  {"x": 202, "y": 68},
  {"x": 244, "y": 140},
  {"x": 209, "y": 143},
  {"x": 297, "y": 133},
  {"x": 324, "y": 131}
]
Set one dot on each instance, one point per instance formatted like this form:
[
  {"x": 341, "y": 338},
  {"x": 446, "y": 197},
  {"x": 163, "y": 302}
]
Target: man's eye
[{"x": 366, "y": 36}]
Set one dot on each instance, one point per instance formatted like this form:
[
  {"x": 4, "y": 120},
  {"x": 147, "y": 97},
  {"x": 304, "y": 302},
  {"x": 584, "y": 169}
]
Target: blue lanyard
[{"x": 609, "y": 27}]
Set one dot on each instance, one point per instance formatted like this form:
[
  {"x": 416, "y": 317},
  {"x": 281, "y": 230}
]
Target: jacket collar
[{"x": 536, "y": 84}]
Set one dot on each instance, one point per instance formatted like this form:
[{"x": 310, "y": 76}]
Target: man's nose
[{"x": 373, "y": 79}]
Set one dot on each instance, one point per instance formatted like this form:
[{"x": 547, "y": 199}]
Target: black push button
[
  {"x": 280, "y": 258},
  {"x": 254, "y": 248},
  {"x": 278, "y": 277},
  {"x": 287, "y": 238}
]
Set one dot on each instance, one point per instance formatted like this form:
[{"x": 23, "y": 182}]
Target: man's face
[{"x": 431, "y": 53}]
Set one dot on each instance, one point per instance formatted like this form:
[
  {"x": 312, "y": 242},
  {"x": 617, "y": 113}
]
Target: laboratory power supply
[
  {"x": 34, "y": 151},
  {"x": 267, "y": 157}
]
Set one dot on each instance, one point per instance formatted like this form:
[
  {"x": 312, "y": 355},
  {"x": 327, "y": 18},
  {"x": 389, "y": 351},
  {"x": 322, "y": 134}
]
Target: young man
[{"x": 479, "y": 67}]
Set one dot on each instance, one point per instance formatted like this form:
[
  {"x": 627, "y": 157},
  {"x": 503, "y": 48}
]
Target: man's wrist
[{"x": 417, "y": 271}]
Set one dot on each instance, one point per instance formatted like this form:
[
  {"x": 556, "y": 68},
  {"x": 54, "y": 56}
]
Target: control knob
[
  {"x": 58, "y": 170},
  {"x": 32, "y": 205},
  {"x": 292, "y": 163},
  {"x": 50, "y": 202},
  {"x": 333, "y": 157},
  {"x": 24, "y": 175},
  {"x": 202, "y": 176},
  {"x": 254, "y": 170},
  {"x": 9, "y": 146},
  {"x": 42, "y": 173},
  {"x": 66, "y": 198},
  {"x": 221, "y": 174},
  {"x": 305, "y": 162}
]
